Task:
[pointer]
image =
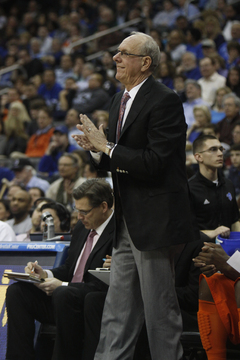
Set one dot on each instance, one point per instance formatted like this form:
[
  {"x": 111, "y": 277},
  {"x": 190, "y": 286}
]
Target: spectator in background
[
  {"x": 38, "y": 142},
  {"x": 34, "y": 108},
  {"x": 217, "y": 111},
  {"x": 46, "y": 40},
  {"x": 213, "y": 30},
  {"x": 5, "y": 212},
  {"x": 231, "y": 105},
  {"x": 25, "y": 175},
  {"x": 193, "y": 42},
  {"x": 208, "y": 47},
  {"x": 236, "y": 133},
  {"x": 35, "y": 48},
  {"x": 20, "y": 206},
  {"x": 165, "y": 73},
  {"x": 53, "y": 57},
  {"x": 15, "y": 127},
  {"x": 235, "y": 36},
  {"x": 210, "y": 80},
  {"x": 71, "y": 120},
  {"x": 65, "y": 71},
  {"x": 59, "y": 144},
  {"x": 187, "y": 9},
  {"x": 36, "y": 193},
  {"x": 6, "y": 99},
  {"x": 202, "y": 118},
  {"x": 50, "y": 89},
  {"x": 61, "y": 189},
  {"x": 61, "y": 34},
  {"x": 193, "y": 94},
  {"x": 188, "y": 66},
  {"x": 67, "y": 94},
  {"x": 233, "y": 48},
  {"x": 179, "y": 86},
  {"x": 220, "y": 64},
  {"x": 30, "y": 95},
  {"x": 233, "y": 80},
  {"x": 87, "y": 71},
  {"x": 234, "y": 171},
  {"x": 166, "y": 18},
  {"x": 92, "y": 98},
  {"x": 32, "y": 66},
  {"x": 175, "y": 45}
]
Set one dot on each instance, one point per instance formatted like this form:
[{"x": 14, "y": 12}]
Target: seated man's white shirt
[{"x": 6, "y": 232}]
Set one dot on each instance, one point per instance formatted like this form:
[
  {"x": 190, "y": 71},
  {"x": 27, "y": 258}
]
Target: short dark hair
[
  {"x": 235, "y": 147},
  {"x": 42, "y": 193},
  {"x": 96, "y": 190},
  {"x": 199, "y": 142},
  {"x": 62, "y": 213}
]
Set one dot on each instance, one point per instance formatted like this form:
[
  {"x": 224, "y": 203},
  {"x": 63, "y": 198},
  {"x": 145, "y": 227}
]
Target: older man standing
[{"x": 146, "y": 155}]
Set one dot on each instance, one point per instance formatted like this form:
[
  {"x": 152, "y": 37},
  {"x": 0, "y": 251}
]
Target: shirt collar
[
  {"x": 101, "y": 228},
  {"x": 133, "y": 92}
]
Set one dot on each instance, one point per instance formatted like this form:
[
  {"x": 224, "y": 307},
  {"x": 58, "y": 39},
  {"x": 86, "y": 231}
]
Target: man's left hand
[{"x": 49, "y": 285}]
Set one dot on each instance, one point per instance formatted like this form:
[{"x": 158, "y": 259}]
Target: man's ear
[
  {"x": 104, "y": 206},
  {"x": 198, "y": 157},
  {"x": 146, "y": 63}
]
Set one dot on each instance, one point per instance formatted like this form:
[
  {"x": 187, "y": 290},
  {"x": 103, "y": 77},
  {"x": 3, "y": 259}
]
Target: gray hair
[
  {"x": 235, "y": 98},
  {"x": 150, "y": 48}
]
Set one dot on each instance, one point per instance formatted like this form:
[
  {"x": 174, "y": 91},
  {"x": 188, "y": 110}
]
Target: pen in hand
[{"x": 33, "y": 268}]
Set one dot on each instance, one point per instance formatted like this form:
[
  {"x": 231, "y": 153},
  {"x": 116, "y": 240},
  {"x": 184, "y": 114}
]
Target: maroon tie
[
  {"x": 124, "y": 101},
  {"x": 78, "y": 276}
]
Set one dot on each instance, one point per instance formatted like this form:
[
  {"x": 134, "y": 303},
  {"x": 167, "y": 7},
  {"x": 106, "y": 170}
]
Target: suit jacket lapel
[{"x": 138, "y": 103}]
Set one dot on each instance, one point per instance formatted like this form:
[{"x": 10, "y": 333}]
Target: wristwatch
[{"x": 109, "y": 147}]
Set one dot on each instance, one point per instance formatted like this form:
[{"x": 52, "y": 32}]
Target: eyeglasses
[
  {"x": 126, "y": 54},
  {"x": 83, "y": 212},
  {"x": 213, "y": 149}
]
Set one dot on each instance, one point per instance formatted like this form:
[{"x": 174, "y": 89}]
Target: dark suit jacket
[
  {"x": 101, "y": 249},
  {"x": 148, "y": 168}
]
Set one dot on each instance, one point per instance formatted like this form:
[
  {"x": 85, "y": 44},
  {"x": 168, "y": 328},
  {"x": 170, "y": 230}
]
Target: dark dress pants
[{"x": 64, "y": 308}]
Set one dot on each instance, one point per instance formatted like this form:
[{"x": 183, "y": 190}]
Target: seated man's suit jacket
[{"x": 102, "y": 248}]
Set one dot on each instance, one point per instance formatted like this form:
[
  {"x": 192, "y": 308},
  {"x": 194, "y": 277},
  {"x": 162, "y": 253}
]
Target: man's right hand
[{"x": 36, "y": 270}]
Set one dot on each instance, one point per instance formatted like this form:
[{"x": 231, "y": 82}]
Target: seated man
[
  {"x": 59, "y": 299},
  {"x": 219, "y": 301},
  {"x": 212, "y": 196},
  {"x": 20, "y": 206}
]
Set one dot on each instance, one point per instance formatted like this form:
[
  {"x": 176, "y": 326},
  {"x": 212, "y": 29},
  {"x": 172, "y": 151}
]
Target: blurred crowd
[{"x": 52, "y": 69}]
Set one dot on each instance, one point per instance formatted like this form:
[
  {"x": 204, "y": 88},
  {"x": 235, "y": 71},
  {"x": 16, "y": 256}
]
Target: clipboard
[
  {"x": 22, "y": 277},
  {"x": 103, "y": 275}
]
